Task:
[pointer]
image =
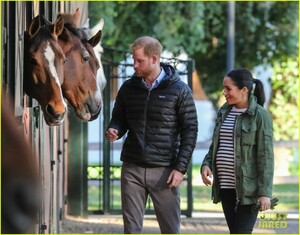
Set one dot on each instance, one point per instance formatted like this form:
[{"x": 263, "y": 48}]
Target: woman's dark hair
[{"x": 243, "y": 78}]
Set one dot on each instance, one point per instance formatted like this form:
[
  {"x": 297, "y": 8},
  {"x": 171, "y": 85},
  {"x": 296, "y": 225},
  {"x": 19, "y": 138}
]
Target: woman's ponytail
[{"x": 259, "y": 92}]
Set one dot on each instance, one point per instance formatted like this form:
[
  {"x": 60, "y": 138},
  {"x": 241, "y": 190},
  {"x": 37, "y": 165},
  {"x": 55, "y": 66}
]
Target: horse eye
[
  {"x": 65, "y": 61},
  {"x": 33, "y": 61},
  {"x": 85, "y": 58}
]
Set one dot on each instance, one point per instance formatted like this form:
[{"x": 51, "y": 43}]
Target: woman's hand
[
  {"x": 265, "y": 203},
  {"x": 206, "y": 174}
]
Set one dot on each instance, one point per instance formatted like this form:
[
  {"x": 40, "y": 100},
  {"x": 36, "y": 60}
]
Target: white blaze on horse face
[
  {"x": 50, "y": 56},
  {"x": 101, "y": 79},
  {"x": 98, "y": 95}
]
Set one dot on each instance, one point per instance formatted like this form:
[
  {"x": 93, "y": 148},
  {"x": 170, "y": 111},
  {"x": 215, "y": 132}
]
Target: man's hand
[
  {"x": 111, "y": 134},
  {"x": 175, "y": 178}
]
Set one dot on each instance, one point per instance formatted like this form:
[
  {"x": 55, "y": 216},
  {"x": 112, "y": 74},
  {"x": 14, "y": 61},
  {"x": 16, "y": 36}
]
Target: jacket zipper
[
  {"x": 234, "y": 147},
  {"x": 146, "y": 119}
]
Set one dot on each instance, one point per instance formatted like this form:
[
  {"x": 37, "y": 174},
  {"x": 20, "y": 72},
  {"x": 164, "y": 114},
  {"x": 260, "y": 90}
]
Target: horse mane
[
  {"x": 77, "y": 32},
  {"x": 84, "y": 34}
]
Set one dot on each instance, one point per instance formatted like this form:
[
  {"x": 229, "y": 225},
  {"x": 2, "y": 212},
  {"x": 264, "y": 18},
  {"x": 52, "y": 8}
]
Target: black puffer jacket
[{"x": 162, "y": 124}]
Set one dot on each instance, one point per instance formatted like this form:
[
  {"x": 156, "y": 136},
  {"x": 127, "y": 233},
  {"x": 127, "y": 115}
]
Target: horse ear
[
  {"x": 34, "y": 26},
  {"x": 95, "y": 39},
  {"x": 97, "y": 27},
  {"x": 76, "y": 18},
  {"x": 58, "y": 26}
]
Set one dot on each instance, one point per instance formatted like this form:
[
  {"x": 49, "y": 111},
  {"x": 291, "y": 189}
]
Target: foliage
[
  {"x": 284, "y": 101},
  {"x": 294, "y": 168},
  {"x": 265, "y": 33}
]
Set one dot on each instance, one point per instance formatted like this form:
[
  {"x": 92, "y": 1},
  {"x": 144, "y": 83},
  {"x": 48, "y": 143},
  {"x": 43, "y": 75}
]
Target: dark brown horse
[
  {"x": 19, "y": 177},
  {"x": 43, "y": 68},
  {"x": 80, "y": 85}
]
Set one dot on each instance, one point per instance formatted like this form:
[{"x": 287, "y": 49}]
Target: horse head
[
  {"x": 80, "y": 86},
  {"x": 43, "y": 68},
  {"x": 20, "y": 186}
]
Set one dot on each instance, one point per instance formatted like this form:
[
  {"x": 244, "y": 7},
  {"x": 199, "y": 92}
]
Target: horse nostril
[{"x": 51, "y": 111}]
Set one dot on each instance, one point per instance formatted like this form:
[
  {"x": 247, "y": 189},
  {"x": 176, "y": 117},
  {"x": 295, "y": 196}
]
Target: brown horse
[
  {"x": 80, "y": 85},
  {"x": 20, "y": 197},
  {"x": 43, "y": 68}
]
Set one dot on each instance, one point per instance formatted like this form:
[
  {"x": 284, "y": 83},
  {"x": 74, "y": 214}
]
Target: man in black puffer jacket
[{"x": 158, "y": 111}]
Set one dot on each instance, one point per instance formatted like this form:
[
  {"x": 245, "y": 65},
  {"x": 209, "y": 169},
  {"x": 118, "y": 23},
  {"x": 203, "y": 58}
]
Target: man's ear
[{"x": 154, "y": 58}]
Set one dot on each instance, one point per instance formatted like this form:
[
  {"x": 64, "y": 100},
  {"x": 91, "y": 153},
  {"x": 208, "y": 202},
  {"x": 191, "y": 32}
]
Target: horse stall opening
[{"x": 47, "y": 139}]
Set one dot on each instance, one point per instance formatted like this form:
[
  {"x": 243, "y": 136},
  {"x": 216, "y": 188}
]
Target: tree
[
  {"x": 284, "y": 105},
  {"x": 266, "y": 32}
]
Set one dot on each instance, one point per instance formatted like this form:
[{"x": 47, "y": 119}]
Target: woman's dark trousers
[{"x": 240, "y": 218}]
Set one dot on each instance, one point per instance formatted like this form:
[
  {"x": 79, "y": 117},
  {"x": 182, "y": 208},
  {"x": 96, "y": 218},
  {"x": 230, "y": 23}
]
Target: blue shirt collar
[{"x": 157, "y": 80}]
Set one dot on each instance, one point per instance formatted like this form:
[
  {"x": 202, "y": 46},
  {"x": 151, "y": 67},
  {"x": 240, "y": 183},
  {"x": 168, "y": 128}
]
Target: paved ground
[{"x": 201, "y": 223}]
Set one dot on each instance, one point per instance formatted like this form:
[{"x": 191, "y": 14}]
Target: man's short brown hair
[{"x": 151, "y": 45}]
